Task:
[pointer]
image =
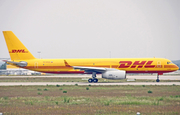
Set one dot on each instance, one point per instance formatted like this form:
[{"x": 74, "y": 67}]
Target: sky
[{"x": 93, "y": 28}]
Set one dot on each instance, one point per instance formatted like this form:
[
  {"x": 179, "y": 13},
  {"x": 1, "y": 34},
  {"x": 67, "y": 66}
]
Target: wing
[{"x": 90, "y": 69}]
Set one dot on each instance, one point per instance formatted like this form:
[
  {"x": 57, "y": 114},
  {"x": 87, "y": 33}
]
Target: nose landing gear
[{"x": 157, "y": 80}]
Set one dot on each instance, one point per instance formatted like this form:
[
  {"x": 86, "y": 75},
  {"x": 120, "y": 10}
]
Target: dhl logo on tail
[
  {"x": 18, "y": 51},
  {"x": 127, "y": 64}
]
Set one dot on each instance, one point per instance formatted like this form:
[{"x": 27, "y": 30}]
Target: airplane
[{"x": 110, "y": 68}]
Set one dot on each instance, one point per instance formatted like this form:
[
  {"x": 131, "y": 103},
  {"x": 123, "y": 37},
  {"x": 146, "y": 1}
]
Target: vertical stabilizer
[{"x": 17, "y": 50}]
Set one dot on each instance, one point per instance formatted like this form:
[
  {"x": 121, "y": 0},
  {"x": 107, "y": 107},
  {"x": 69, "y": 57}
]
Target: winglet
[{"x": 66, "y": 64}]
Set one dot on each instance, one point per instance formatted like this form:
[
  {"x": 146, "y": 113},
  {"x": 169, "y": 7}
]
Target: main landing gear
[
  {"x": 93, "y": 79},
  {"x": 157, "y": 80}
]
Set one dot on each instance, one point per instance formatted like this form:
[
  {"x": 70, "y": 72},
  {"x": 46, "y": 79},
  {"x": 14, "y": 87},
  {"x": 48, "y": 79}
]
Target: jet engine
[
  {"x": 22, "y": 64},
  {"x": 119, "y": 74}
]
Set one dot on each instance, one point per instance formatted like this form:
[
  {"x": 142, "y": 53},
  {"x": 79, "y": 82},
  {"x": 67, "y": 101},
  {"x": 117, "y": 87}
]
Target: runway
[
  {"x": 175, "y": 77},
  {"x": 153, "y": 77},
  {"x": 83, "y": 83}
]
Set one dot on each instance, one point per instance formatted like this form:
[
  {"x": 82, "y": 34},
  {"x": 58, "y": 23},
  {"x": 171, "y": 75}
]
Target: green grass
[
  {"x": 66, "y": 100},
  {"x": 175, "y": 96},
  {"x": 56, "y": 102},
  {"x": 45, "y": 89},
  {"x": 98, "y": 100},
  {"x": 28, "y": 103},
  {"x": 39, "y": 89},
  {"x": 150, "y": 91},
  {"x": 60, "y": 89},
  {"x": 64, "y": 91},
  {"x": 5, "y": 98},
  {"x": 161, "y": 99},
  {"x": 107, "y": 101},
  {"x": 87, "y": 88},
  {"x": 39, "y": 93}
]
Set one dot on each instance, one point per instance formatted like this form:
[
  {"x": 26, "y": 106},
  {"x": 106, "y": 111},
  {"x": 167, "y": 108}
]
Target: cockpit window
[{"x": 169, "y": 62}]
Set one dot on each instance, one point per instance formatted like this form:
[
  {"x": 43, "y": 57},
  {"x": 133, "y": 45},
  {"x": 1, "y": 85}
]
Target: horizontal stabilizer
[{"x": 20, "y": 64}]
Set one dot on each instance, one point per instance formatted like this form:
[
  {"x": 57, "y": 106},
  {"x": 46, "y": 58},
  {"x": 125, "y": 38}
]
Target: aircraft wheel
[
  {"x": 157, "y": 80},
  {"x": 95, "y": 80},
  {"x": 90, "y": 80}
]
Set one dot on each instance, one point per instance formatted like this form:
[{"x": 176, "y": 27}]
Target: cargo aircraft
[{"x": 112, "y": 68}]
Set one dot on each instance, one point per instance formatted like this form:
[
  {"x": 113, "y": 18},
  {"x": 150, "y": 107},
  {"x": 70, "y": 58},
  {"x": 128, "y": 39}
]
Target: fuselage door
[
  {"x": 36, "y": 65},
  {"x": 159, "y": 64}
]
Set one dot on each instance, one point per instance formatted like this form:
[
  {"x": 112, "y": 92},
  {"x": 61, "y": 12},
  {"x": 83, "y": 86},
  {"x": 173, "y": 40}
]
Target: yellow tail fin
[{"x": 16, "y": 49}]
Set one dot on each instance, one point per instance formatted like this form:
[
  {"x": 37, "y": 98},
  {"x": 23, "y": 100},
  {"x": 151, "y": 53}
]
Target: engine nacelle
[{"x": 119, "y": 74}]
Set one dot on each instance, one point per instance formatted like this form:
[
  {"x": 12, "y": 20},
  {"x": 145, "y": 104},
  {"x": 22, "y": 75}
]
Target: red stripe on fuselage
[
  {"x": 170, "y": 66},
  {"x": 83, "y": 72}
]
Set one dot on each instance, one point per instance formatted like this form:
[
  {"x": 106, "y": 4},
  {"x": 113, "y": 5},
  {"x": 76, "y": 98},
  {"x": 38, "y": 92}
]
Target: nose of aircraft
[{"x": 176, "y": 67}]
